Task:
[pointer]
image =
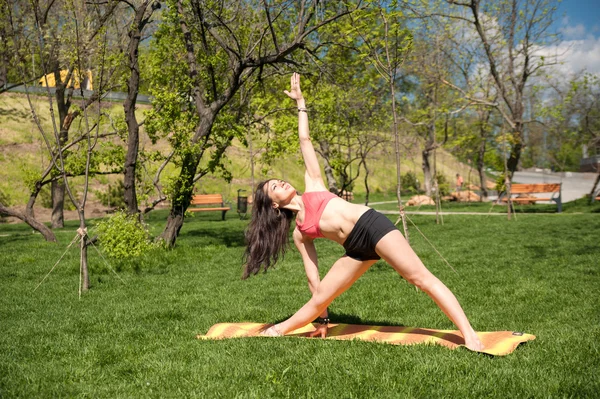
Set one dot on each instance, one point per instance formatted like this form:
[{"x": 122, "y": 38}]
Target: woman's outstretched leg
[
  {"x": 396, "y": 251},
  {"x": 344, "y": 272}
]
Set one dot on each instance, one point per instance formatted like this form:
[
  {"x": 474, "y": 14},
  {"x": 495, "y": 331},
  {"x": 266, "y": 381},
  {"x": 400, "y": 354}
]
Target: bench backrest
[
  {"x": 207, "y": 199},
  {"x": 535, "y": 188}
]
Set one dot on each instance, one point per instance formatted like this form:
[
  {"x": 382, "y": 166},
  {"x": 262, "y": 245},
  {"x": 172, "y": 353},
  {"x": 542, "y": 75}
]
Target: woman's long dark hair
[{"x": 267, "y": 235}]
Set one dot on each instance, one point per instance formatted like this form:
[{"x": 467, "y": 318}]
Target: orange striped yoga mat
[{"x": 497, "y": 343}]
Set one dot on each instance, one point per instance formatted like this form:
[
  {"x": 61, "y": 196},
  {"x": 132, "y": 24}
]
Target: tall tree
[
  {"x": 142, "y": 13},
  {"x": 11, "y": 42},
  {"x": 386, "y": 48},
  {"x": 351, "y": 107},
  {"x": 432, "y": 104},
  {"x": 591, "y": 126},
  {"x": 347, "y": 108},
  {"x": 14, "y": 13},
  {"x": 225, "y": 45},
  {"x": 4, "y": 45},
  {"x": 470, "y": 141},
  {"x": 87, "y": 21},
  {"x": 56, "y": 22},
  {"x": 29, "y": 47},
  {"x": 513, "y": 35},
  {"x": 571, "y": 120}
]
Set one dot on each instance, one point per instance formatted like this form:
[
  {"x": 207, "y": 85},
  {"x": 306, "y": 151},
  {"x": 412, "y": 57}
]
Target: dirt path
[{"x": 93, "y": 209}]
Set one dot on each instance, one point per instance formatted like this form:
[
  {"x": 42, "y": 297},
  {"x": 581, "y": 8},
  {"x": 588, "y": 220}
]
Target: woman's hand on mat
[
  {"x": 271, "y": 332},
  {"x": 321, "y": 331},
  {"x": 295, "y": 93}
]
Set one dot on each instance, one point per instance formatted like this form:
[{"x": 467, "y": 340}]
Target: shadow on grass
[
  {"x": 539, "y": 250},
  {"x": 14, "y": 114},
  {"x": 229, "y": 237},
  {"x": 352, "y": 319},
  {"x": 586, "y": 250},
  {"x": 17, "y": 237},
  {"x": 359, "y": 326}
]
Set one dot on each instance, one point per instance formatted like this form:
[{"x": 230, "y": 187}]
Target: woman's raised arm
[{"x": 313, "y": 178}]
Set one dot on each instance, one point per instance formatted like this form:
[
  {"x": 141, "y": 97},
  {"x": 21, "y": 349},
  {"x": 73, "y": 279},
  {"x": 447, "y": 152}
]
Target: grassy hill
[{"x": 23, "y": 154}]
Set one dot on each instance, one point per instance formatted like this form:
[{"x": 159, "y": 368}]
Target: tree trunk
[
  {"x": 429, "y": 146},
  {"x": 482, "y": 182},
  {"x": 480, "y": 166},
  {"x": 133, "y": 137},
  {"x": 517, "y": 133},
  {"x": 367, "y": 191},
  {"x": 129, "y": 174},
  {"x": 36, "y": 225},
  {"x": 58, "y": 188},
  {"x": 397, "y": 153},
  {"x": 484, "y": 117},
  {"x": 427, "y": 170},
  {"x": 85, "y": 277},
  {"x": 3, "y": 59},
  {"x": 182, "y": 195},
  {"x": 133, "y": 128},
  {"x": 84, "y": 274},
  {"x": 593, "y": 192},
  {"x": 251, "y": 154},
  {"x": 174, "y": 224},
  {"x": 331, "y": 183},
  {"x": 513, "y": 160}
]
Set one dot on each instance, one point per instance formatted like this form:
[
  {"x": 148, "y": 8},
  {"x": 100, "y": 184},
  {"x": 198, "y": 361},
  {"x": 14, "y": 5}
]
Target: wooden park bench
[
  {"x": 524, "y": 191},
  {"x": 208, "y": 203}
]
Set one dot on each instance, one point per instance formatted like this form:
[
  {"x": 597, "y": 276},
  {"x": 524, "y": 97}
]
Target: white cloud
[
  {"x": 573, "y": 32},
  {"x": 576, "y": 55},
  {"x": 581, "y": 48},
  {"x": 578, "y": 51}
]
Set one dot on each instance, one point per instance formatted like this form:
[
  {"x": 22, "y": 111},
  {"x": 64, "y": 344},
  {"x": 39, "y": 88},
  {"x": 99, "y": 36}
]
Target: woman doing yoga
[{"x": 366, "y": 235}]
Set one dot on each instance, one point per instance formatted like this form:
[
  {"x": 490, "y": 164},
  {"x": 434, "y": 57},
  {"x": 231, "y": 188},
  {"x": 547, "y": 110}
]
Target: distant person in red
[{"x": 459, "y": 182}]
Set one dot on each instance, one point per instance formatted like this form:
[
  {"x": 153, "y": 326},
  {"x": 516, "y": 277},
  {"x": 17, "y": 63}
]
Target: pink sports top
[{"x": 314, "y": 204}]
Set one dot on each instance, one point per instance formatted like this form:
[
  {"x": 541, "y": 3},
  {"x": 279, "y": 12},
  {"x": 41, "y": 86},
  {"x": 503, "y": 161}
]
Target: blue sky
[
  {"x": 579, "y": 23},
  {"x": 584, "y": 12}
]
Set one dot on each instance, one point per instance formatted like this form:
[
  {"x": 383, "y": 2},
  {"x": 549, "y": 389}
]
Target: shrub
[
  {"x": 410, "y": 183},
  {"x": 114, "y": 197},
  {"x": 124, "y": 237},
  {"x": 443, "y": 184},
  {"x": 6, "y": 201},
  {"x": 501, "y": 183},
  {"x": 45, "y": 198}
]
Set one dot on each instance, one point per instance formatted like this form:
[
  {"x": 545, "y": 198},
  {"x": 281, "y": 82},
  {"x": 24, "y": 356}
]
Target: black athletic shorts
[{"x": 369, "y": 229}]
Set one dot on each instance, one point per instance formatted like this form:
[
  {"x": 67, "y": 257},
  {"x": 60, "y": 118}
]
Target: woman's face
[{"x": 280, "y": 192}]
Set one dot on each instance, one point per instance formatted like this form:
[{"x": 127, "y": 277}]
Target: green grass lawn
[{"x": 538, "y": 274}]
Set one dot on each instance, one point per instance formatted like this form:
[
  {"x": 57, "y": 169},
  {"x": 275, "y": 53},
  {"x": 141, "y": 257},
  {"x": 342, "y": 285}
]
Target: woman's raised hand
[{"x": 295, "y": 93}]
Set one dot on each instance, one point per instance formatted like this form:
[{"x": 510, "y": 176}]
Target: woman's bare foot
[{"x": 473, "y": 342}]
